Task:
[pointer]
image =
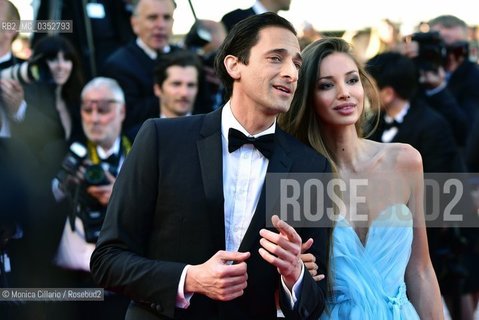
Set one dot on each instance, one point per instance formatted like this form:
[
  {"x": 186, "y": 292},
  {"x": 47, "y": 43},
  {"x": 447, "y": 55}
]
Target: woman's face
[
  {"x": 60, "y": 68},
  {"x": 339, "y": 94}
]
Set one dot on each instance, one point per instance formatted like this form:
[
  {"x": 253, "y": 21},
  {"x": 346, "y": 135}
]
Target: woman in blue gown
[{"x": 379, "y": 264}]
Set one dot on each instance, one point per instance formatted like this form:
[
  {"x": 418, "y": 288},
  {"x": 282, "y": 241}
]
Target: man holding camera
[
  {"x": 87, "y": 177},
  {"x": 459, "y": 76},
  {"x": 446, "y": 48}
]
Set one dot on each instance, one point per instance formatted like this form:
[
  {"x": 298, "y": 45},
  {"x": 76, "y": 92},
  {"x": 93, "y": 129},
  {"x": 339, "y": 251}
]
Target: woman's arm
[{"x": 422, "y": 285}]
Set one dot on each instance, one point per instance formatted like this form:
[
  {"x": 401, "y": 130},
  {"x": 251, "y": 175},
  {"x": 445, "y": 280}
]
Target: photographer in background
[
  {"x": 12, "y": 103},
  {"x": 87, "y": 177},
  {"x": 455, "y": 72},
  {"x": 450, "y": 81},
  {"x": 462, "y": 77},
  {"x": 204, "y": 39}
]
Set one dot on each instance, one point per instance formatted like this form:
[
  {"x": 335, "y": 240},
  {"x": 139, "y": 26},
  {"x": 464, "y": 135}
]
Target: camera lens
[{"x": 95, "y": 175}]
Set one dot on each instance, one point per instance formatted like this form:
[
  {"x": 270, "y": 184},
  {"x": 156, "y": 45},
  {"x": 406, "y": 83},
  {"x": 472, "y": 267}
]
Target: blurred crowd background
[{"x": 72, "y": 103}]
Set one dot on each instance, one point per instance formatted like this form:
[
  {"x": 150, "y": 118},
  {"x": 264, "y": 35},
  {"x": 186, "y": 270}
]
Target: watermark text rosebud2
[{"x": 320, "y": 200}]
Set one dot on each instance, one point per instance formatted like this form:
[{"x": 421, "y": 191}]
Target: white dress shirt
[
  {"x": 244, "y": 172},
  {"x": 150, "y": 52},
  {"x": 389, "y": 134}
]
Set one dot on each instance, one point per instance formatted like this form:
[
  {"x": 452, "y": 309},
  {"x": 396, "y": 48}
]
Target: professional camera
[
  {"x": 87, "y": 208},
  {"x": 72, "y": 161},
  {"x": 94, "y": 174},
  {"x": 432, "y": 51},
  {"x": 197, "y": 37},
  {"x": 26, "y": 72},
  {"x": 458, "y": 49}
]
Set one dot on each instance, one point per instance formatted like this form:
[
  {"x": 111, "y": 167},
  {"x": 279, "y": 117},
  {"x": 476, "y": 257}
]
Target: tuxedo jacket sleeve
[{"x": 167, "y": 211}]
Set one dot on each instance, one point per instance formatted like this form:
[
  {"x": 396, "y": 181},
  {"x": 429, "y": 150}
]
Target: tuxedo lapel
[
  {"x": 211, "y": 164},
  {"x": 280, "y": 163},
  {"x": 407, "y": 128}
]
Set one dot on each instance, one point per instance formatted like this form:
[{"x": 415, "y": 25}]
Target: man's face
[
  {"x": 152, "y": 22},
  {"x": 450, "y": 37},
  {"x": 102, "y": 116},
  {"x": 178, "y": 92},
  {"x": 268, "y": 82},
  {"x": 6, "y": 37}
]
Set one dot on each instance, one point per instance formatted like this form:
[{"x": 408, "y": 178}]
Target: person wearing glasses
[{"x": 86, "y": 181}]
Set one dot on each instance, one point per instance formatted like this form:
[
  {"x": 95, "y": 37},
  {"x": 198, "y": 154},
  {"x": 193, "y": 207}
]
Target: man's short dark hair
[
  {"x": 392, "y": 69},
  {"x": 241, "y": 38},
  {"x": 182, "y": 58}
]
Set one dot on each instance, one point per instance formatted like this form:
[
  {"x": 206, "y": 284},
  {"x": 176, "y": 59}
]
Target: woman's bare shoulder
[{"x": 400, "y": 156}]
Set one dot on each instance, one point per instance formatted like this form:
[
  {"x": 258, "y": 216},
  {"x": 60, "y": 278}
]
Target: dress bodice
[{"x": 368, "y": 279}]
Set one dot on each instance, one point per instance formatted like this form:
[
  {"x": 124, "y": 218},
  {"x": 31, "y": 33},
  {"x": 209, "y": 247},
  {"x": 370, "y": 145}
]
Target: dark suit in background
[
  {"x": 134, "y": 71},
  {"x": 430, "y": 134},
  {"x": 444, "y": 103},
  {"x": 149, "y": 237},
  {"x": 463, "y": 85},
  {"x": 235, "y": 16},
  {"x": 472, "y": 150}
]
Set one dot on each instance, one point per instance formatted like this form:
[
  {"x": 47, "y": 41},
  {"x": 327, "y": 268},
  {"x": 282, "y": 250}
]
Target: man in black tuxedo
[
  {"x": 133, "y": 64},
  {"x": 184, "y": 236},
  {"x": 260, "y": 6},
  {"x": 462, "y": 74},
  {"x": 408, "y": 119}
]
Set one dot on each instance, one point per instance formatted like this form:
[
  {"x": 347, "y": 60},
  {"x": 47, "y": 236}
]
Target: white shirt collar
[
  {"x": 258, "y": 8},
  {"x": 150, "y": 52},
  {"x": 162, "y": 116},
  {"x": 400, "y": 116},
  {"x": 115, "y": 149},
  {"x": 228, "y": 121}
]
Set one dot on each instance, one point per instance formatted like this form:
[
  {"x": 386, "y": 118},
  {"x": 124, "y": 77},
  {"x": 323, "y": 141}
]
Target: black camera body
[
  {"x": 458, "y": 49},
  {"x": 87, "y": 208},
  {"x": 25, "y": 72},
  {"x": 94, "y": 174},
  {"x": 197, "y": 37},
  {"x": 432, "y": 50}
]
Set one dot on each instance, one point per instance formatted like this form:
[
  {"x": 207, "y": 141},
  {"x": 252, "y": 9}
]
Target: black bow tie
[
  {"x": 393, "y": 124},
  {"x": 112, "y": 160},
  {"x": 264, "y": 143}
]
